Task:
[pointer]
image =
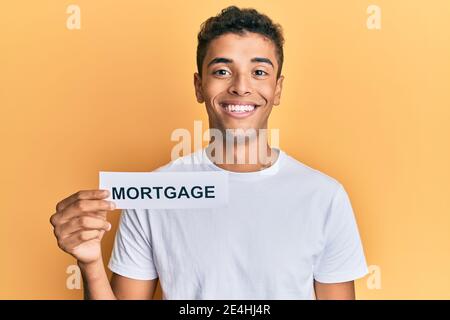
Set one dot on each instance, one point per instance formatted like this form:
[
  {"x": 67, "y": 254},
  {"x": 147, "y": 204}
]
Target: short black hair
[{"x": 238, "y": 21}]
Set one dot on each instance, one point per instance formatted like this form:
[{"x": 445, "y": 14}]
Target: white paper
[{"x": 166, "y": 190}]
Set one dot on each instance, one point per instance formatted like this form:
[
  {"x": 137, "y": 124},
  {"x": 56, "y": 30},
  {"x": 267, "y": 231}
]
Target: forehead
[{"x": 247, "y": 46}]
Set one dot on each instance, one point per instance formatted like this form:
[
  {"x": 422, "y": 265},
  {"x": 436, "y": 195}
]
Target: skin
[{"x": 80, "y": 220}]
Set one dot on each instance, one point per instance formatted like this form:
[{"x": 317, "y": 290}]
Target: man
[{"x": 288, "y": 232}]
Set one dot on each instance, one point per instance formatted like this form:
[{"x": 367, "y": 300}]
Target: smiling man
[{"x": 289, "y": 231}]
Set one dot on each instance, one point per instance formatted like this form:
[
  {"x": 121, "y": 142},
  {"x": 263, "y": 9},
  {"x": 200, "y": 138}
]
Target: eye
[
  {"x": 221, "y": 72},
  {"x": 260, "y": 72}
]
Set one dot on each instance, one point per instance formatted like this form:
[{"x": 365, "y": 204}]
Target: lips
[{"x": 239, "y": 109}]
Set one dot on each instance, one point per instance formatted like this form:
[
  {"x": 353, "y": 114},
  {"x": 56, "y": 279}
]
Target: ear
[
  {"x": 198, "y": 88},
  {"x": 278, "y": 88}
]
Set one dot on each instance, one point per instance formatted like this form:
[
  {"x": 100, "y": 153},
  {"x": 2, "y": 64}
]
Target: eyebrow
[{"x": 226, "y": 60}]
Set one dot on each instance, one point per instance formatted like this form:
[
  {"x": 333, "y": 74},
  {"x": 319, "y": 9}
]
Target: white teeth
[{"x": 239, "y": 108}]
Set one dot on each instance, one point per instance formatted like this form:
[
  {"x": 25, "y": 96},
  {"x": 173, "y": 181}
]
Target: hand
[{"x": 80, "y": 223}]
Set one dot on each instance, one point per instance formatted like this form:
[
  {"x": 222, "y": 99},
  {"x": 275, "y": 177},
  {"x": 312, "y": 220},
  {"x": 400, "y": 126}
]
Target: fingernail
[
  {"x": 109, "y": 227},
  {"x": 112, "y": 205},
  {"x": 106, "y": 192}
]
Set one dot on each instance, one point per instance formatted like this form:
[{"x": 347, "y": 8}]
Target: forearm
[{"x": 95, "y": 282}]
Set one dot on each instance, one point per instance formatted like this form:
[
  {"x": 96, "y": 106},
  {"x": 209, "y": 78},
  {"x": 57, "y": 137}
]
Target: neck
[{"x": 245, "y": 157}]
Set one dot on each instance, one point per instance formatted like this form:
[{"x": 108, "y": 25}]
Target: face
[{"x": 239, "y": 84}]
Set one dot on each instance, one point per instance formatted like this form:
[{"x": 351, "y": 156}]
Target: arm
[
  {"x": 342, "y": 259},
  {"x": 126, "y": 288},
  {"x": 97, "y": 286},
  {"x": 334, "y": 291}
]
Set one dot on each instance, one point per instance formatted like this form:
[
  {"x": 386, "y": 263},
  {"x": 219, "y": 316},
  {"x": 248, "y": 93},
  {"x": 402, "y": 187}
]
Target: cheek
[
  {"x": 267, "y": 91},
  {"x": 213, "y": 88}
]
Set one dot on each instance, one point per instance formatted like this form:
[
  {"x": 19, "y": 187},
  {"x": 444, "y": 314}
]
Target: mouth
[{"x": 238, "y": 109}]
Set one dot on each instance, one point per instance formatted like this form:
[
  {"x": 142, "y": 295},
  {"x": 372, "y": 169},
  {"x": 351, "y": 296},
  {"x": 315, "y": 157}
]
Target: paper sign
[{"x": 166, "y": 190}]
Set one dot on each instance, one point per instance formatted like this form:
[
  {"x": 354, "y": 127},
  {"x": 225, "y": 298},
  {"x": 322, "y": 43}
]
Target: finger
[
  {"x": 78, "y": 238},
  {"x": 102, "y": 214},
  {"x": 82, "y": 207},
  {"x": 83, "y": 223},
  {"x": 82, "y": 195},
  {"x": 56, "y": 218}
]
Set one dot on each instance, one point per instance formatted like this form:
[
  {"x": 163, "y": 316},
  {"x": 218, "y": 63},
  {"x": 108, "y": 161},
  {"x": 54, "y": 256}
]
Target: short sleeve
[
  {"x": 132, "y": 251},
  {"x": 342, "y": 258}
]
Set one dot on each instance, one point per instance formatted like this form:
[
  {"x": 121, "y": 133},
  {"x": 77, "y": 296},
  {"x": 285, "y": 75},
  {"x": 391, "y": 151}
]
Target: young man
[{"x": 288, "y": 232}]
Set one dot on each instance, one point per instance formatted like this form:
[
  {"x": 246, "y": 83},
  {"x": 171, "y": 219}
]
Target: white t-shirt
[{"x": 284, "y": 226}]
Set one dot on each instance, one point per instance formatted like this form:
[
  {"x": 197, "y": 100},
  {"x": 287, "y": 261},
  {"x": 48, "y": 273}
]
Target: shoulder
[
  {"x": 309, "y": 177},
  {"x": 190, "y": 162}
]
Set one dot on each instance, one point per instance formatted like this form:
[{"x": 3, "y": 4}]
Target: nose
[{"x": 240, "y": 86}]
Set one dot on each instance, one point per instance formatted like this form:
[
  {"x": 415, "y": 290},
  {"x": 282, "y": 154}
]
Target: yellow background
[{"x": 367, "y": 107}]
